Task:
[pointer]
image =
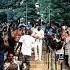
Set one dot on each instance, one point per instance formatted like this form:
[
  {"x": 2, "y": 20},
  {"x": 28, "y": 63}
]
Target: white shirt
[
  {"x": 40, "y": 33},
  {"x": 27, "y": 41}
]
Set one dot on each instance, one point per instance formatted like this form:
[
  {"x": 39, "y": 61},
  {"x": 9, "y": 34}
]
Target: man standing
[
  {"x": 38, "y": 34},
  {"x": 26, "y": 41}
]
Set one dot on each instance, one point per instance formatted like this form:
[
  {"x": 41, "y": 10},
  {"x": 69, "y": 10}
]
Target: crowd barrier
[{"x": 52, "y": 62}]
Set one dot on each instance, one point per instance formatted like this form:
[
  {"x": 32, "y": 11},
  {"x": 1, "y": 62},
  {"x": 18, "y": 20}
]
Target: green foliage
[
  {"x": 17, "y": 9},
  {"x": 59, "y": 10}
]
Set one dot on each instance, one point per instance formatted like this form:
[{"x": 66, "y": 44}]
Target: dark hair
[
  {"x": 9, "y": 54},
  {"x": 67, "y": 32},
  {"x": 29, "y": 32}
]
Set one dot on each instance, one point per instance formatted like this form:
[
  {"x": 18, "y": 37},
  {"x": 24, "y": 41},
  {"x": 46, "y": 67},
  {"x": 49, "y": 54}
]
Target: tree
[
  {"x": 16, "y": 9},
  {"x": 58, "y": 10}
]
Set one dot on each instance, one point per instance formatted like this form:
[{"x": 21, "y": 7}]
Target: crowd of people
[
  {"x": 16, "y": 44},
  {"x": 20, "y": 42}
]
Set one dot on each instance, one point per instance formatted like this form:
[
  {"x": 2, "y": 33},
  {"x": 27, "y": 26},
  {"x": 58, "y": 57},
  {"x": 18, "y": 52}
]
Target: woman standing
[{"x": 67, "y": 48}]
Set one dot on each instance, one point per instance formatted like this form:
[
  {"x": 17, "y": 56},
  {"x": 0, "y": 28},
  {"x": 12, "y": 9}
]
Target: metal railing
[{"x": 52, "y": 62}]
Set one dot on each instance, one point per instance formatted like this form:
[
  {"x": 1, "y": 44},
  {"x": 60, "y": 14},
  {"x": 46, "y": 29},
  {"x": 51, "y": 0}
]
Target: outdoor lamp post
[
  {"x": 49, "y": 15},
  {"x": 41, "y": 18},
  {"x": 37, "y": 8},
  {"x": 37, "y": 5},
  {"x": 26, "y": 13},
  {"x": 49, "y": 12}
]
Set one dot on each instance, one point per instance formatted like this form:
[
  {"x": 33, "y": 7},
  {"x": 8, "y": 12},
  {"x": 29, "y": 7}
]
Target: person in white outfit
[{"x": 38, "y": 34}]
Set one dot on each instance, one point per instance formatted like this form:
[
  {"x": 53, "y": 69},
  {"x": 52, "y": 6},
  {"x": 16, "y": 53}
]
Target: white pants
[{"x": 38, "y": 51}]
